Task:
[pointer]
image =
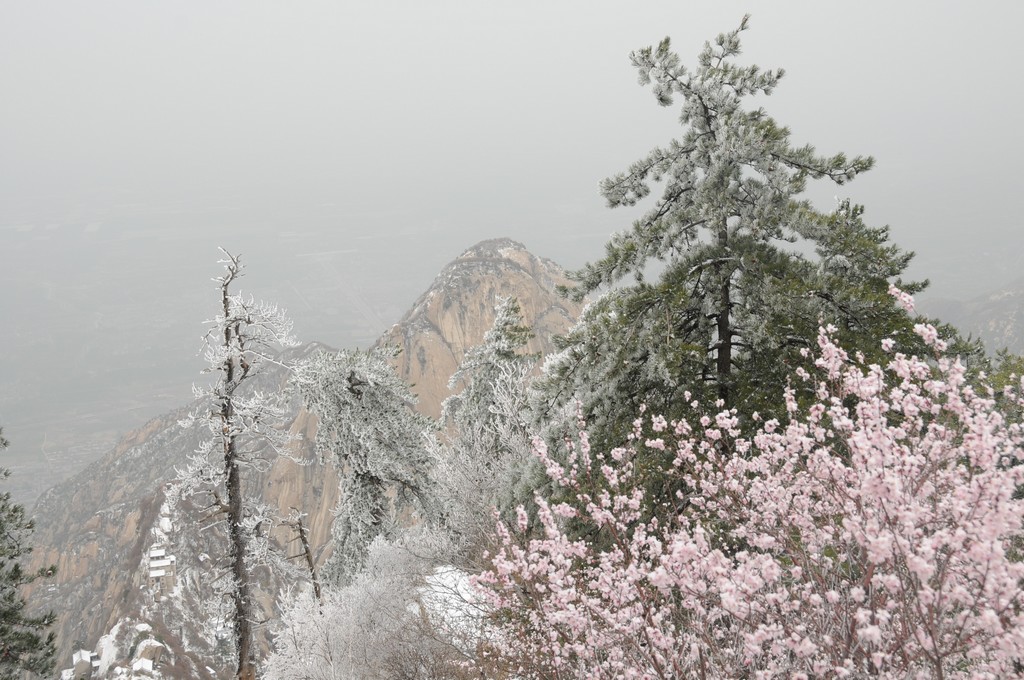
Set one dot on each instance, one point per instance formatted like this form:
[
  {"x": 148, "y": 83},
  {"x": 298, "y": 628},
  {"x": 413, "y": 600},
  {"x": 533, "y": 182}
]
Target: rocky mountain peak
[
  {"x": 458, "y": 309},
  {"x": 494, "y": 247}
]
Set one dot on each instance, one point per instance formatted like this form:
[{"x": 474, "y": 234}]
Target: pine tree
[
  {"x": 484, "y": 374},
  {"x": 245, "y": 337},
  {"x": 735, "y": 300},
  {"x": 25, "y": 644},
  {"x": 483, "y": 456},
  {"x": 369, "y": 430}
]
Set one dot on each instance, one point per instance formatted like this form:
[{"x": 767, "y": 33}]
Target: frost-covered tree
[
  {"x": 403, "y": 615},
  {"x": 874, "y": 532},
  {"x": 737, "y": 293},
  {"x": 482, "y": 454},
  {"x": 25, "y": 643},
  {"x": 368, "y": 429},
  {"x": 243, "y": 417},
  {"x": 480, "y": 371},
  {"x": 398, "y": 605}
]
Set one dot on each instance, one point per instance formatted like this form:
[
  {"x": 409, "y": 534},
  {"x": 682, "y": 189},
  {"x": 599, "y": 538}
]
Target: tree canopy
[
  {"x": 25, "y": 642},
  {"x": 368, "y": 429},
  {"x": 744, "y": 270}
]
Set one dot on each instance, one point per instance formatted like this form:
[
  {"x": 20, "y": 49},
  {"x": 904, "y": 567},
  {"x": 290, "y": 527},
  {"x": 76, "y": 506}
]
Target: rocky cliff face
[
  {"x": 458, "y": 309},
  {"x": 99, "y": 526}
]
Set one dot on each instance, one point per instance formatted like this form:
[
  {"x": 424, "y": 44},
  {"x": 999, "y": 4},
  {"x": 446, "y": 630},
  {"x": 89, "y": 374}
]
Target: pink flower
[{"x": 887, "y": 508}]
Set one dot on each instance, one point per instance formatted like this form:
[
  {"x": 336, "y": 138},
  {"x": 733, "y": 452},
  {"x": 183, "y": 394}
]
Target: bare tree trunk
[
  {"x": 239, "y": 571},
  {"x": 723, "y": 358},
  {"x": 307, "y": 552},
  {"x": 245, "y": 334}
]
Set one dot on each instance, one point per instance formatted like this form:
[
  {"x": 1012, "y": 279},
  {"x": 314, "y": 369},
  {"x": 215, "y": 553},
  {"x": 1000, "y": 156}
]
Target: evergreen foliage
[
  {"x": 483, "y": 456},
  {"x": 826, "y": 494},
  {"x": 25, "y": 643},
  {"x": 369, "y": 430},
  {"x": 481, "y": 369},
  {"x": 737, "y": 294}
]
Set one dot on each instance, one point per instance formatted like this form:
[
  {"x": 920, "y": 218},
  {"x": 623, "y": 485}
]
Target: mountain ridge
[{"x": 996, "y": 316}]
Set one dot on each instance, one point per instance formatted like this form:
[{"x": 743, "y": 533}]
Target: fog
[{"x": 350, "y": 149}]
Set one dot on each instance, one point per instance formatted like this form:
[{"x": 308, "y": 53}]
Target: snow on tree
[
  {"x": 735, "y": 300},
  {"x": 481, "y": 369},
  {"x": 25, "y": 643},
  {"x": 369, "y": 430},
  {"x": 398, "y": 604},
  {"x": 874, "y": 532},
  {"x": 482, "y": 456},
  {"x": 244, "y": 418},
  {"x": 400, "y": 616}
]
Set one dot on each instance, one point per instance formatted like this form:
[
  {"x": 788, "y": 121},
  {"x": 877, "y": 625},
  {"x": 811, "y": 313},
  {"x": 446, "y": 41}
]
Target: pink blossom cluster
[{"x": 876, "y": 533}]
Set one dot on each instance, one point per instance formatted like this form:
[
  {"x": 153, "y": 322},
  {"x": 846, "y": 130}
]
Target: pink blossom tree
[{"x": 876, "y": 533}]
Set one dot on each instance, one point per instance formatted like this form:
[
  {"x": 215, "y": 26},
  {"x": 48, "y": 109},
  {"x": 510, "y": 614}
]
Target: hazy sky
[
  {"x": 350, "y": 149},
  {"x": 477, "y": 119}
]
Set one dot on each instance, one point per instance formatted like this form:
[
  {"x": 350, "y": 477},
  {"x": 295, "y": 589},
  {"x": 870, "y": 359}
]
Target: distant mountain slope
[
  {"x": 997, "y": 317},
  {"x": 98, "y": 526}
]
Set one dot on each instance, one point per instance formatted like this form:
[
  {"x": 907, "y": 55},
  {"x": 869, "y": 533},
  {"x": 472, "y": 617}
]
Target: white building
[
  {"x": 84, "y": 665},
  {"x": 163, "y": 572}
]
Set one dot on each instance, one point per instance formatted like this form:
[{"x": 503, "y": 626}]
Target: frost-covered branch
[
  {"x": 244, "y": 420},
  {"x": 368, "y": 429}
]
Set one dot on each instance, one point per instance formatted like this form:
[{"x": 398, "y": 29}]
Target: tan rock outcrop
[{"x": 458, "y": 309}]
